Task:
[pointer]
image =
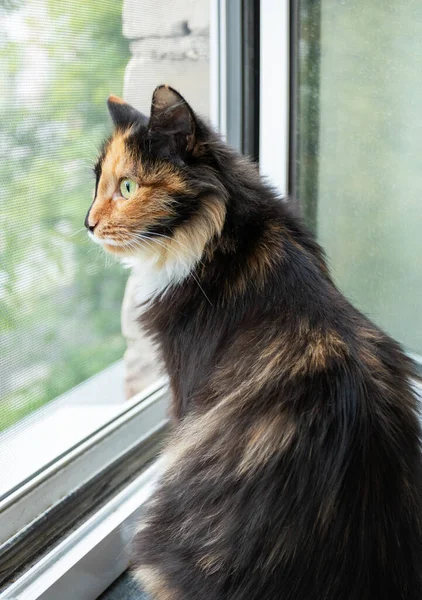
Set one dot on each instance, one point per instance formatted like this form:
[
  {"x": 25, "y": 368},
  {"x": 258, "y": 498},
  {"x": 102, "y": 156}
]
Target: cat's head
[{"x": 157, "y": 192}]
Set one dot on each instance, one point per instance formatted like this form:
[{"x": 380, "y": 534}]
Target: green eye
[{"x": 128, "y": 187}]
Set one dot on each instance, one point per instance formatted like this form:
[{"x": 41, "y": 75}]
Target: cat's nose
[{"x": 90, "y": 224}]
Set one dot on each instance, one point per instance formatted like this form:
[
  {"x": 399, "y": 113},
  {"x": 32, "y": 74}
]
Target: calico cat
[{"x": 294, "y": 466}]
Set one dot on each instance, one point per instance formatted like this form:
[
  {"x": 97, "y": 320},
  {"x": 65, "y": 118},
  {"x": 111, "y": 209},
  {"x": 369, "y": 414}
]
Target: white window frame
[{"x": 274, "y": 148}]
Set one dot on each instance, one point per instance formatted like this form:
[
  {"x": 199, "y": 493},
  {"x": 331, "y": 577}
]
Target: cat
[{"x": 293, "y": 470}]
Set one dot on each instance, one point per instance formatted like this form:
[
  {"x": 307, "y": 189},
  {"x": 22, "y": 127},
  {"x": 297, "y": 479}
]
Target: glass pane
[
  {"x": 61, "y": 295},
  {"x": 359, "y": 152},
  {"x": 59, "y": 300}
]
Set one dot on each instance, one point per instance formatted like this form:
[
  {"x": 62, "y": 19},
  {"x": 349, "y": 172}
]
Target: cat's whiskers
[
  {"x": 75, "y": 232},
  {"x": 166, "y": 246},
  {"x": 90, "y": 146},
  {"x": 149, "y": 242},
  {"x": 98, "y": 254},
  {"x": 184, "y": 246},
  {"x": 156, "y": 284},
  {"x": 124, "y": 242},
  {"x": 133, "y": 244}
]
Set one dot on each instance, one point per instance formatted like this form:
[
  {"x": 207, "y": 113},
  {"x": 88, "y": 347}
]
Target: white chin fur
[{"x": 152, "y": 279}]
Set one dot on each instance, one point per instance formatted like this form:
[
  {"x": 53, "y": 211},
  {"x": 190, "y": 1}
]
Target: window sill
[
  {"x": 66, "y": 491},
  {"x": 86, "y": 563}
]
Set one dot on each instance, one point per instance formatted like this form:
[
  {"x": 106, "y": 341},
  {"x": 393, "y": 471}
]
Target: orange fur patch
[
  {"x": 189, "y": 240},
  {"x": 116, "y": 99},
  {"x": 370, "y": 359},
  {"x": 322, "y": 348},
  {"x": 260, "y": 262},
  {"x": 288, "y": 355}
]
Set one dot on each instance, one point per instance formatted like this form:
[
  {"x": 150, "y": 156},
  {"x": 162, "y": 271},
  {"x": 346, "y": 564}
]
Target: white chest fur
[{"x": 153, "y": 279}]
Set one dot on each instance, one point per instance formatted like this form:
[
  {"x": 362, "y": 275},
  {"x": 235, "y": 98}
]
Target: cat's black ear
[
  {"x": 123, "y": 114},
  {"x": 172, "y": 115}
]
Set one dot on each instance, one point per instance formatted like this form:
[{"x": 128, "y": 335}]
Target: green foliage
[{"x": 59, "y": 305}]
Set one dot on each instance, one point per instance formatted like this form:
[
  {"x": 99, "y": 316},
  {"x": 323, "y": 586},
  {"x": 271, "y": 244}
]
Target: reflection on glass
[{"x": 359, "y": 152}]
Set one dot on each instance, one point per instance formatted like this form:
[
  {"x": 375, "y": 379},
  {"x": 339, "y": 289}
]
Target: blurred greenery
[
  {"x": 59, "y": 299},
  {"x": 359, "y": 152}
]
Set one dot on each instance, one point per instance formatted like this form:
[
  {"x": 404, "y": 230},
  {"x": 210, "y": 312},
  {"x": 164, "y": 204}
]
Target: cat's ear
[
  {"x": 123, "y": 114},
  {"x": 172, "y": 115}
]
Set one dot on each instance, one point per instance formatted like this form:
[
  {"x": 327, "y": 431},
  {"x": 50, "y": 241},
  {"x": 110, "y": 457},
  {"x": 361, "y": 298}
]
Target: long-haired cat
[{"x": 294, "y": 466}]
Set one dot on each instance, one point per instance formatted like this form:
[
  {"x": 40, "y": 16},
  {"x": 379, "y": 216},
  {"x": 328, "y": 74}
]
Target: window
[
  {"x": 78, "y": 424},
  {"x": 358, "y": 167}
]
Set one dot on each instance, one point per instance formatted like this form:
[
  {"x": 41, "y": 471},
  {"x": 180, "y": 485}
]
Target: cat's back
[{"x": 303, "y": 480}]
